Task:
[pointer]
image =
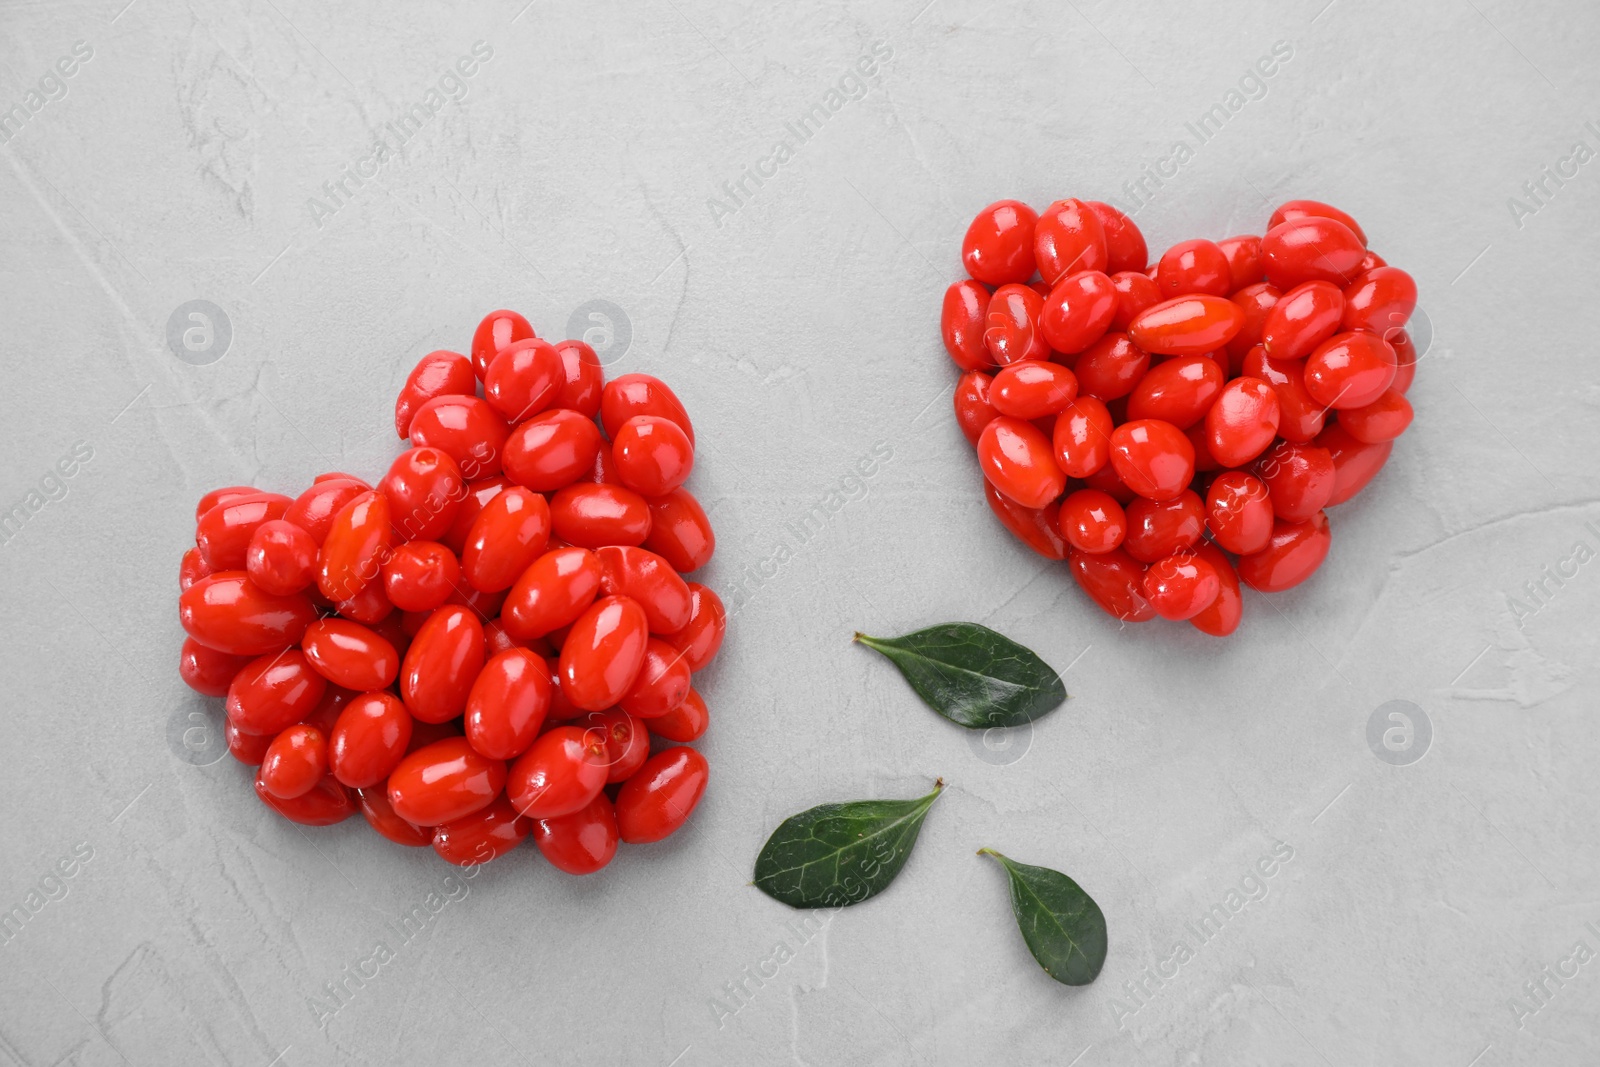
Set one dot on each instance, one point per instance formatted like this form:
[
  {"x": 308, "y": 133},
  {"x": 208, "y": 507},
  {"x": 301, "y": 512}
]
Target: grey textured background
[{"x": 1419, "y": 900}]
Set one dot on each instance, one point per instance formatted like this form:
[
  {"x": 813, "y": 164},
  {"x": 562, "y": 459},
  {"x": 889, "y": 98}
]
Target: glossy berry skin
[
  {"x": 973, "y": 409},
  {"x": 1257, "y": 302},
  {"x": 370, "y": 606},
  {"x": 1380, "y": 301},
  {"x": 591, "y": 515},
  {"x": 249, "y": 749},
  {"x": 1299, "y": 478},
  {"x": 273, "y": 692},
  {"x": 420, "y": 575},
  {"x": 350, "y": 655},
  {"x": 497, "y": 330},
  {"x": 649, "y": 581},
  {"x": 444, "y": 781},
  {"x": 603, "y": 653},
  {"x": 1068, "y": 237},
  {"x": 509, "y": 533},
  {"x": 551, "y": 450},
  {"x": 424, "y": 490},
  {"x": 353, "y": 552},
  {"x": 1221, "y": 617},
  {"x": 1125, "y": 246},
  {"x": 441, "y": 373},
  {"x": 1292, "y": 555},
  {"x": 1033, "y": 389},
  {"x": 1302, "y": 319},
  {"x": 561, "y": 773},
  {"x": 379, "y": 813},
  {"x": 295, "y": 762},
  {"x": 479, "y": 493},
  {"x": 1350, "y": 370},
  {"x": 1355, "y": 463},
  {"x": 582, "y": 842},
  {"x": 1193, "y": 267},
  {"x": 1152, "y": 458},
  {"x": 1035, "y": 527},
  {"x": 1291, "y": 210},
  {"x": 467, "y": 429},
  {"x": 223, "y": 534},
  {"x": 1158, "y": 528},
  {"x": 659, "y": 799},
  {"x": 583, "y": 379},
  {"x": 1092, "y": 521},
  {"x": 1018, "y": 460},
  {"x": 486, "y": 834},
  {"x": 1181, "y": 586},
  {"x": 1382, "y": 420},
  {"x": 701, "y": 637},
  {"x": 1135, "y": 292},
  {"x": 441, "y": 664},
  {"x": 1300, "y": 417},
  {"x": 1242, "y": 422},
  {"x": 207, "y": 671},
  {"x": 653, "y": 455},
  {"x": 369, "y": 739},
  {"x": 626, "y": 738},
  {"x": 1078, "y": 311},
  {"x": 680, "y": 533},
  {"x": 1243, "y": 254},
  {"x": 324, "y": 804},
  {"x": 1311, "y": 249},
  {"x": 1111, "y": 367},
  {"x": 314, "y": 510},
  {"x": 281, "y": 558},
  {"x": 640, "y": 394},
  {"x": 1179, "y": 391},
  {"x": 661, "y": 684},
  {"x": 998, "y": 247},
  {"x": 192, "y": 568},
  {"x": 557, "y": 588},
  {"x": 962, "y": 321},
  {"x": 1114, "y": 581},
  {"x": 1081, "y": 439},
  {"x": 227, "y": 612},
  {"x": 1011, "y": 326},
  {"x": 508, "y": 704},
  {"x": 225, "y": 495},
  {"x": 685, "y": 723},
  {"x": 1239, "y": 512},
  {"x": 1187, "y": 325},
  {"x": 523, "y": 379}
]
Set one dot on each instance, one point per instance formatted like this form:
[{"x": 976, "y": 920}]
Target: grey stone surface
[{"x": 183, "y": 161}]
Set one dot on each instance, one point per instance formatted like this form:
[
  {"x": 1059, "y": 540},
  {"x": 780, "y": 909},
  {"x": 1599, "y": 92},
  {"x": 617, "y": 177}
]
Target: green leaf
[
  {"x": 1063, "y": 926},
  {"x": 834, "y": 855},
  {"x": 972, "y": 675}
]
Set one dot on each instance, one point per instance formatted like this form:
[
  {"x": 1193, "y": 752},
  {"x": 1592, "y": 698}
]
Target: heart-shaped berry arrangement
[
  {"x": 481, "y": 648},
  {"x": 1171, "y": 429}
]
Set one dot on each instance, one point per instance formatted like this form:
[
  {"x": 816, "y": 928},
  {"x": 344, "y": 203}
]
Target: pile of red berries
[
  {"x": 1144, "y": 422},
  {"x": 481, "y": 648}
]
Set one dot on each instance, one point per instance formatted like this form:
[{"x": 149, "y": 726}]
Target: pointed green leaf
[
  {"x": 1063, "y": 926},
  {"x": 972, "y": 675},
  {"x": 838, "y": 854}
]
